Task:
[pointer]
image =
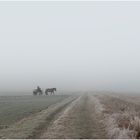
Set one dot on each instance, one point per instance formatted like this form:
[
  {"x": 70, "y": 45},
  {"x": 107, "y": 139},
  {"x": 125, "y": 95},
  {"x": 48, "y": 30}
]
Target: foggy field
[
  {"x": 89, "y": 115},
  {"x": 14, "y": 108},
  {"x": 84, "y": 55}
]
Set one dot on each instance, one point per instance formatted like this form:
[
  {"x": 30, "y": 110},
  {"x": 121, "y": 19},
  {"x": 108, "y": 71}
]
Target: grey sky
[{"x": 70, "y": 45}]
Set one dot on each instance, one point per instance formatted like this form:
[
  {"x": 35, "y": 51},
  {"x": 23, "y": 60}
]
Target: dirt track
[
  {"x": 77, "y": 120},
  {"x": 74, "y": 117},
  {"x": 89, "y": 116}
]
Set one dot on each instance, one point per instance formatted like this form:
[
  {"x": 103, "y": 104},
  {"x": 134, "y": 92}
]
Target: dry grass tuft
[{"x": 121, "y": 123}]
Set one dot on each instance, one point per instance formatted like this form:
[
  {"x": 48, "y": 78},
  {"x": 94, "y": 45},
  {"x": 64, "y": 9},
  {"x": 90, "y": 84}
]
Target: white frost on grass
[
  {"x": 59, "y": 127},
  {"x": 123, "y": 124},
  {"x": 116, "y": 126},
  {"x": 99, "y": 108}
]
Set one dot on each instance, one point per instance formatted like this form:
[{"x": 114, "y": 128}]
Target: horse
[
  {"x": 36, "y": 91},
  {"x": 51, "y": 90}
]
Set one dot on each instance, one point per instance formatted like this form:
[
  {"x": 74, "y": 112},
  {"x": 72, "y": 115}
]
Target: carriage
[{"x": 39, "y": 91}]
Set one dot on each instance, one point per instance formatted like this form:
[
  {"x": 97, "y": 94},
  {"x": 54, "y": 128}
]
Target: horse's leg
[{"x": 53, "y": 91}]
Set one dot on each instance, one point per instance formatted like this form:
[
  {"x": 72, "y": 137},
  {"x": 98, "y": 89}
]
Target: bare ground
[{"x": 79, "y": 120}]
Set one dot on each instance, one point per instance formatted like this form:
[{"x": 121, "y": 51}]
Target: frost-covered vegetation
[
  {"x": 121, "y": 118},
  {"x": 90, "y": 116}
]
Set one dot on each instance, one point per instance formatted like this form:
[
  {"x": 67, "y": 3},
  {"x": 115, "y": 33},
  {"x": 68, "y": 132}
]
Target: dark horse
[
  {"x": 38, "y": 90},
  {"x": 51, "y": 90}
]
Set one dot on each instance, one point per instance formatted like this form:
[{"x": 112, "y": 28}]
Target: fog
[{"x": 74, "y": 46}]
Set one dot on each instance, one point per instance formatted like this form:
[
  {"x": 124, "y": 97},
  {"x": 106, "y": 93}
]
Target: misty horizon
[{"x": 73, "y": 46}]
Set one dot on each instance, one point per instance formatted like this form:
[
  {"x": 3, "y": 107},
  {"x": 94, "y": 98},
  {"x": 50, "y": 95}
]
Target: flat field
[
  {"x": 85, "y": 116},
  {"x": 14, "y": 108}
]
